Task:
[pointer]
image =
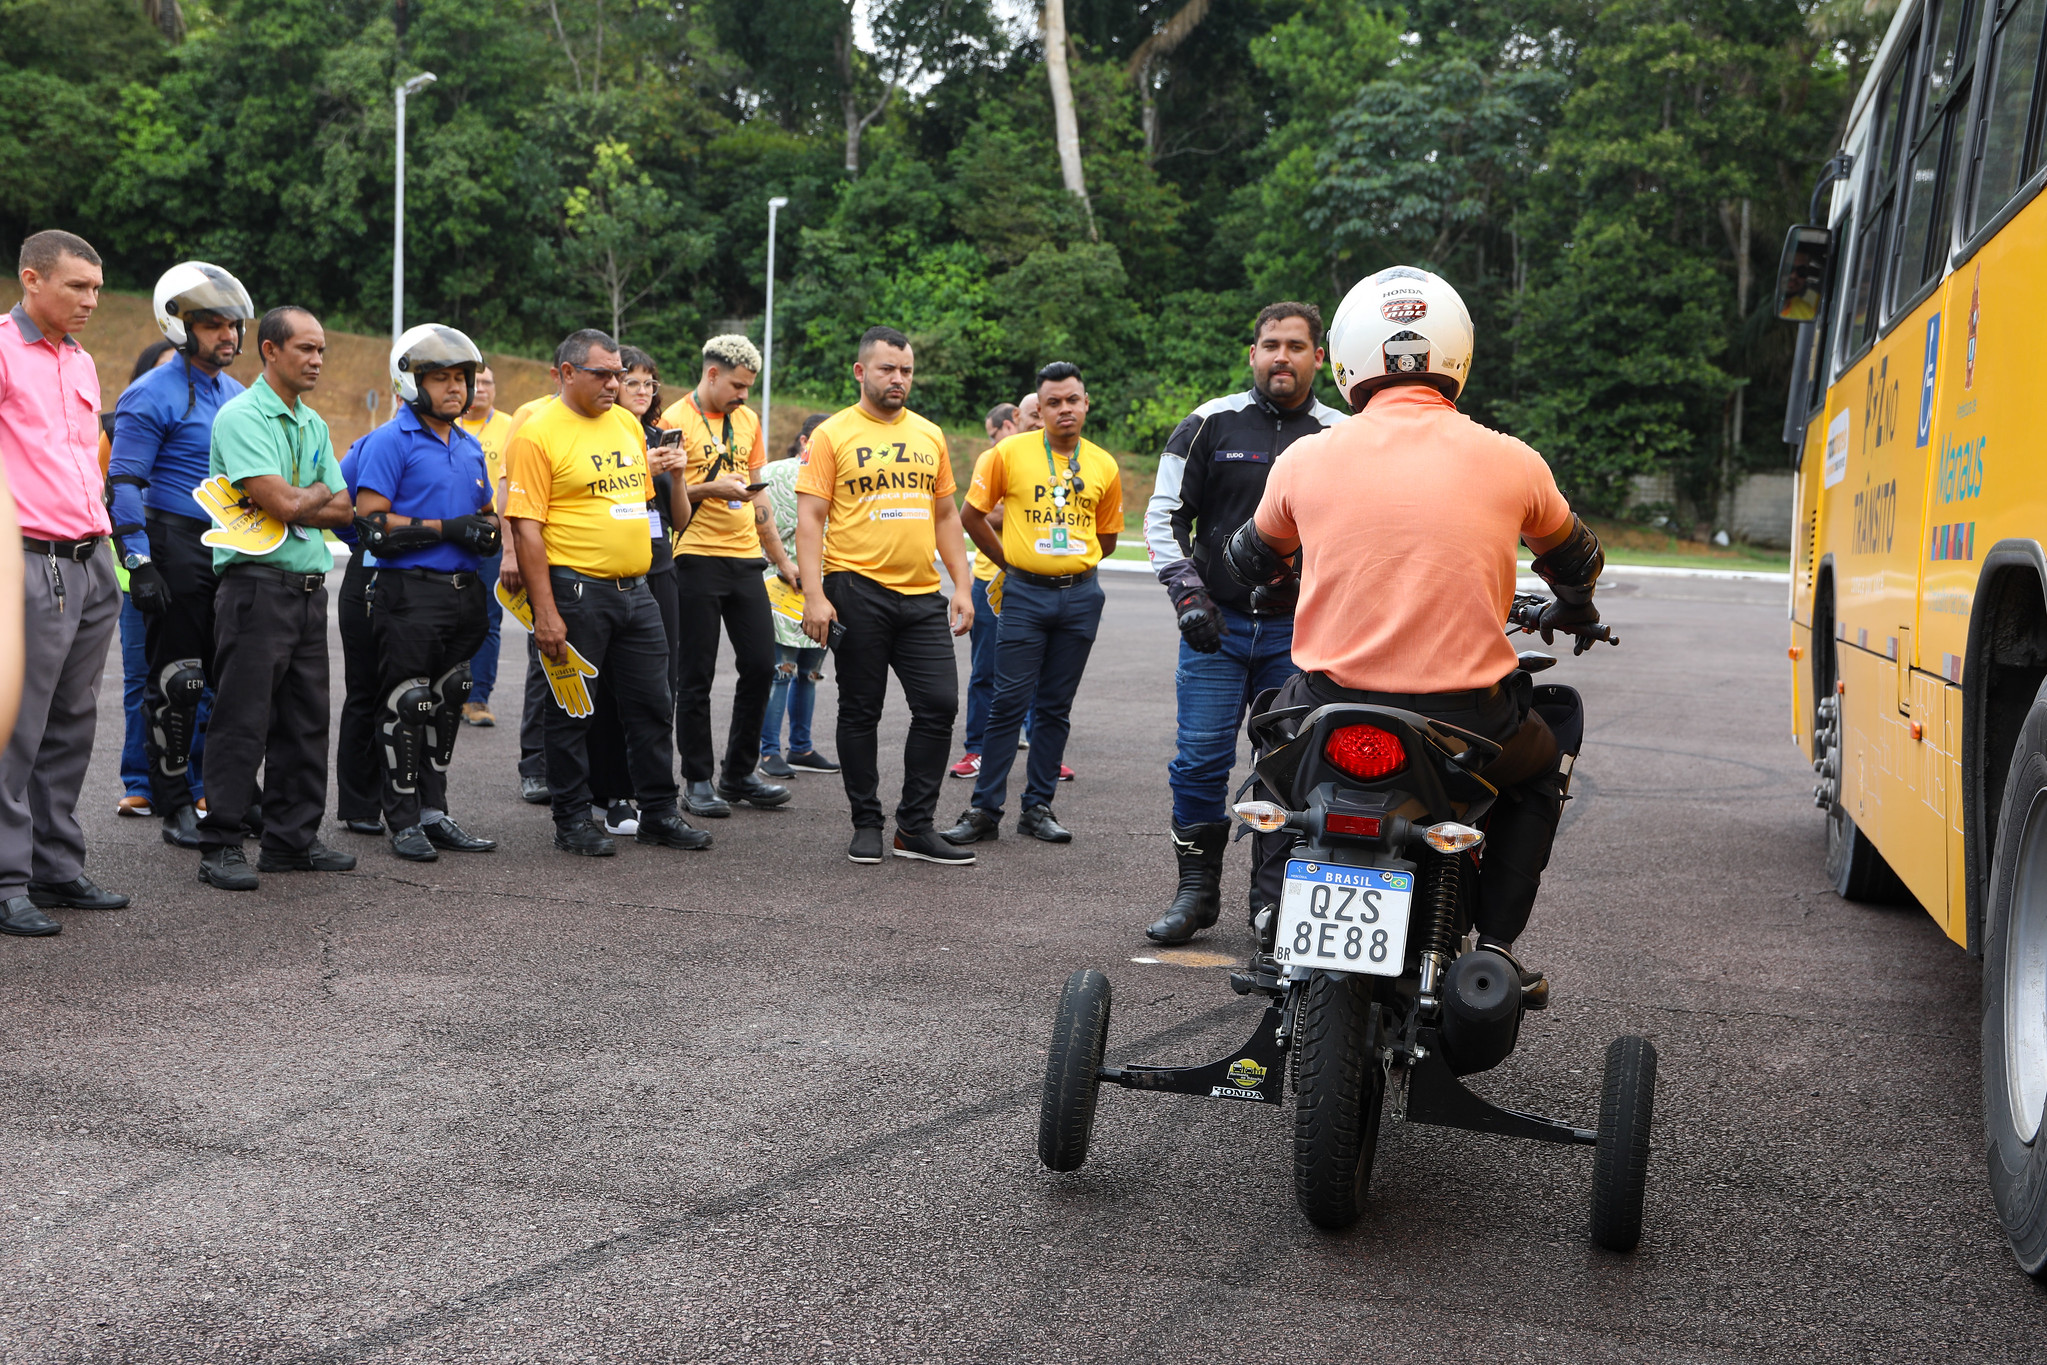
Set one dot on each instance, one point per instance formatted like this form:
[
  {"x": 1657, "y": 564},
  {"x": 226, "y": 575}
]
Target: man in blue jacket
[{"x": 162, "y": 429}]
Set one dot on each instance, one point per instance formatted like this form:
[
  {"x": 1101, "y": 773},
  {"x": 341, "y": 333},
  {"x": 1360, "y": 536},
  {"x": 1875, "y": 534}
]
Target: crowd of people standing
[{"x": 634, "y": 534}]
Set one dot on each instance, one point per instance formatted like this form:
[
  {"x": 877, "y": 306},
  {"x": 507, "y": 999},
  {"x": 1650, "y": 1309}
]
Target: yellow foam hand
[
  {"x": 995, "y": 592},
  {"x": 564, "y": 679},
  {"x": 783, "y": 600},
  {"x": 238, "y": 523}
]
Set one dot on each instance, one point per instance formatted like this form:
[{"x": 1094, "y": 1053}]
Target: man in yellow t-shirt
[
  {"x": 492, "y": 429},
  {"x": 880, "y": 476},
  {"x": 578, "y": 485},
  {"x": 1062, "y": 509},
  {"x": 719, "y": 582}
]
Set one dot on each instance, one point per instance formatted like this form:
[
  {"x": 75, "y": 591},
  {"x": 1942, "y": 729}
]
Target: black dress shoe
[
  {"x": 975, "y": 826},
  {"x": 316, "y": 858},
  {"x": 1037, "y": 822},
  {"x": 181, "y": 828},
  {"x": 412, "y": 845},
  {"x": 866, "y": 845},
  {"x": 669, "y": 831},
  {"x": 445, "y": 833},
  {"x": 533, "y": 791},
  {"x": 227, "y": 868},
  {"x": 79, "y": 894},
  {"x": 753, "y": 790},
  {"x": 363, "y": 826},
  {"x": 701, "y": 798},
  {"x": 18, "y": 915},
  {"x": 929, "y": 848},
  {"x": 583, "y": 837}
]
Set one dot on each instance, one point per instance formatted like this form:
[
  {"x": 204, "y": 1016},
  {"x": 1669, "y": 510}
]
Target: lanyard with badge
[
  {"x": 297, "y": 469},
  {"x": 725, "y": 458},
  {"x": 1060, "y": 543}
]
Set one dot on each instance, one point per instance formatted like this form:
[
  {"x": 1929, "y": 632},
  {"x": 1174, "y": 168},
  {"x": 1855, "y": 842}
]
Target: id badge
[{"x": 1060, "y": 545}]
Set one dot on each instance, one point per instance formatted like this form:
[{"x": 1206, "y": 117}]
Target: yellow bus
[{"x": 1919, "y": 584}]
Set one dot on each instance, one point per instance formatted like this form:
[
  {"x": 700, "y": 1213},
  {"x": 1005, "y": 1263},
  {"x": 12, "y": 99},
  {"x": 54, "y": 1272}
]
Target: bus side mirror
[{"x": 1802, "y": 273}]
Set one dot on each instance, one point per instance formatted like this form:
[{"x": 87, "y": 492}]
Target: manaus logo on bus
[{"x": 1876, "y": 517}]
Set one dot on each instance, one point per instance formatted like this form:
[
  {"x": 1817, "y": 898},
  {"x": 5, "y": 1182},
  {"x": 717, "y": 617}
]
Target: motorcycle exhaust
[{"x": 1481, "y": 1011}]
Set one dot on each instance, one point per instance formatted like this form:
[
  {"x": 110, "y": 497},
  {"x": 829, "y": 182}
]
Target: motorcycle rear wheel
[
  {"x": 1339, "y": 1090},
  {"x": 1073, "y": 1066}
]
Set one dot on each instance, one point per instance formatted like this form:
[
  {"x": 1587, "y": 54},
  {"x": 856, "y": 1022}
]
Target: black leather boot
[{"x": 1199, "y": 849}]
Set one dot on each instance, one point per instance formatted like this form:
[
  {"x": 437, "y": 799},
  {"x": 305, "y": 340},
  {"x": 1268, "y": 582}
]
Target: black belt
[
  {"x": 304, "y": 582},
  {"x": 622, "y": 584},
  {"x": 174, "y": 520},
  {"x": 1062, "y": 580},
  {"x": 461, "y": 578},
  {"x": 80, "y": 550}
]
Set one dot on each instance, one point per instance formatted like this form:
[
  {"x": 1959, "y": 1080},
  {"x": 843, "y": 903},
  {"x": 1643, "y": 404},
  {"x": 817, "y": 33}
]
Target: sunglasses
[{"x": 599, "y": 371}]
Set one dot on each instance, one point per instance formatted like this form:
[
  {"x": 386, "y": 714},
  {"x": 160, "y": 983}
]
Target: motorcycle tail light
[
  {"x": 1361, "y": 826},
  {"x": 1263, "y": 816},
  {"x": 1365, "y": 752}
]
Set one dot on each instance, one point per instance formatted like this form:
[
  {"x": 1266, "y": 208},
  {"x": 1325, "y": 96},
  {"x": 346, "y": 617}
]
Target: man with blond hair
[{"x": 720, "y": 578}]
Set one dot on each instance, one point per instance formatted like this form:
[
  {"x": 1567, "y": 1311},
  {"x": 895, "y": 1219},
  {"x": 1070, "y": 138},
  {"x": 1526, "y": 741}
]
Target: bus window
[
  {"x": 2014, "y": 67},
  {"x": 1879, "y": 197},
  {"x": 1885, "y": 135},
  {"x": 1937, "y": 149},
  {"x": 1862, "y": 317},
  {"x": 1943, "y": 59}
]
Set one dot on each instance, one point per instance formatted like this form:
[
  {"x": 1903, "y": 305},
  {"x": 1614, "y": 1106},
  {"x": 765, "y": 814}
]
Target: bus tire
[
  {"x": 1855, "y": 869},
  {"x": 2015, "y": 1000}
]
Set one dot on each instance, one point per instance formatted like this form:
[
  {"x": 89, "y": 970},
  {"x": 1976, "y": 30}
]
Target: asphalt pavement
[{"x": 760, "y": 1104}]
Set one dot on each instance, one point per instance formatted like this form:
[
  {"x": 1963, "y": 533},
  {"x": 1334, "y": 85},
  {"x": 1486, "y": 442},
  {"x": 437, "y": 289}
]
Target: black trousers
[
  {"x": 269, "y": 710},
  {"x": 907, "y": 632},
  {"x": 619, "y": 633},
  {"x": 1520, "y": 829},
  {"x": 611, "y": 777},
  {"x": 424, "y": 627},
  {"x": 182, "y": 631},
  {"x": 358, "y": 771},
  {"x": 715, "y": 590}
]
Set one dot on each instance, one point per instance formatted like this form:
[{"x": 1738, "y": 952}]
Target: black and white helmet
[
  {"x": 194, "y": 287},
  {"x": 428, "y": 347},
  {"x": 1401, "y": 325}
]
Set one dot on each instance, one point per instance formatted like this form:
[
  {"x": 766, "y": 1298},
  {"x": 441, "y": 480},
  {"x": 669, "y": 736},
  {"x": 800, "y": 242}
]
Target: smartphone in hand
[
  {"x": 671, "y": 437},
  {"x": 755, "y": 487}
]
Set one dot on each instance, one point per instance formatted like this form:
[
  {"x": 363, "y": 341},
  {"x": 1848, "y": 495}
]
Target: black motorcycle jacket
[{"x": 1210, "y": 481}]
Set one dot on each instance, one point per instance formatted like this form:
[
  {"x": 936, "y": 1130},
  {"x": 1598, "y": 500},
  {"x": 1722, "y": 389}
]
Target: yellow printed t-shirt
[
  {"x": 492, "y": 433},
  {"x": 523, "y": 413},
  {"x": 984, "y": 566},
  {"x": 1038, "y": 536},
  {"x": 719, "y": 527},
  {"x": 884, "y": 480},
  {"x": 585, "y": 480}
]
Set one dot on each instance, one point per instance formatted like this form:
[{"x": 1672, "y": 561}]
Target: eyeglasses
[
  {"x": 599, "y": 371},
  {"x": 640, "y": 385}
]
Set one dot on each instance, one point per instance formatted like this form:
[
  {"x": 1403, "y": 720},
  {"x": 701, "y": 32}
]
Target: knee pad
[
  {"x": 451, "y": 692},
  {"x": 408, "y": 713},
  {"x": 180, "y": 683}
]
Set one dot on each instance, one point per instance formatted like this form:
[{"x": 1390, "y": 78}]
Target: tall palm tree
[{"x": 1065, "y": 128}]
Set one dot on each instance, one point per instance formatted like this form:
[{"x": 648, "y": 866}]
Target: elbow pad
[
  {"x": 380, "y": 537},
  {"x": 1252, "y": 562},
  {"x": 1572, "y": 569}
]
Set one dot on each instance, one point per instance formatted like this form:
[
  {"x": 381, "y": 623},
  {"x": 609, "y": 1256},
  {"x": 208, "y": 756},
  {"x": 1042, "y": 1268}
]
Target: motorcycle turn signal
[
  {"x": 1451, "y": 837},
  {"x": 1266, "y": 817}
]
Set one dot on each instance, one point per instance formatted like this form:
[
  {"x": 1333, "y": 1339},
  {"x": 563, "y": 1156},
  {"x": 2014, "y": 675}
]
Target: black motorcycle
[{"x": 1375, "y": 979}]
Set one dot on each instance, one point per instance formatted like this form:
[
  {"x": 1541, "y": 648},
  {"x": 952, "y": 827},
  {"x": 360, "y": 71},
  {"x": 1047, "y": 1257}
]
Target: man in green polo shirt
[{"x": 275, "y": 487}]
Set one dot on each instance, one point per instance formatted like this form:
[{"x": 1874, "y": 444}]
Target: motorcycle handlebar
[{"x": 1526, "y": 617}]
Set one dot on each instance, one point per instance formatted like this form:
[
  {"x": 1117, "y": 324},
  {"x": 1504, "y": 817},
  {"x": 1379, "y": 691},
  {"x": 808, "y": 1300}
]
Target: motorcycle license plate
[{"x": 1344, "y": 919}]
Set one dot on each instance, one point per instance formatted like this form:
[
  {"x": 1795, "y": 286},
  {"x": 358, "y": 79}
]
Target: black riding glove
[
  {"x": 147, "y": 590},
  {"x": 1562, "y": 616},
  {"x": 1201, "y": 624},
  {"x": 475, "y": 533}
]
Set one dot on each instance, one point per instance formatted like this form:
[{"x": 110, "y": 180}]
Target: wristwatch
[{"x": 132, "y": 561}]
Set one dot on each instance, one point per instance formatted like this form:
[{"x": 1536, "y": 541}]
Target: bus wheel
[
  {"x": 1854, "y": 867},
  {"x": 2015, "y": 1000}
]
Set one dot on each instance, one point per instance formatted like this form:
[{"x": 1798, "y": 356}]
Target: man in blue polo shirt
[
  {"x": 163, "y": 428},
  {"x": 423, "y": 505}
]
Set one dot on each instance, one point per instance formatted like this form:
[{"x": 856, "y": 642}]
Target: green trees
[{"x": 1603, "y": 182}]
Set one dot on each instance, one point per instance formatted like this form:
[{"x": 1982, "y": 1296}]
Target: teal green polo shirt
[{"x": 256, "y": 434}]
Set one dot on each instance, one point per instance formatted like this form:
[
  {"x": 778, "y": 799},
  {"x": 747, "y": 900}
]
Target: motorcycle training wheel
[
  {"x": 1339, "y": 1090},
  {"x": 1620, "y": 1162},
  {"x": 1073, "y": 1064}
]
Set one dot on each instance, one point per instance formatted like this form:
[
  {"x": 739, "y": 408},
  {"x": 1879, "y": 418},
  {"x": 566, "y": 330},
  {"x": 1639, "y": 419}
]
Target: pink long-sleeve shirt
[{"x": 49, "y": 432}]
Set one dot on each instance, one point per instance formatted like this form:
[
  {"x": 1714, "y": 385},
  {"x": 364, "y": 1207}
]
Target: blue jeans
[
  {"x": 1047, "y": 634},
  {"x": 981, "y": 670},
  {"x": 794, "y": 691},
  {"x": 1213, "y": 690},
  {"x": 134, "y": 754},
  {"x": 483, "y": 669}
]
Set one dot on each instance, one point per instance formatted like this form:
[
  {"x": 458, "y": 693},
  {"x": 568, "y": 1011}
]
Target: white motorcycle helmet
[
  {"x": 1402, "y": 325},
  {"x": 196, "y": 287},
  {"x": 427, "y": 347}
]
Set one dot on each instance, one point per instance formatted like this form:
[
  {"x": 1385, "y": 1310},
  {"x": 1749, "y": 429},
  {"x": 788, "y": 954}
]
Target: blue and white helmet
[
  {"x": 1400, "y": 326},
  {"x": 191, "y": 288},
  {"x": 428, "y": 347}
]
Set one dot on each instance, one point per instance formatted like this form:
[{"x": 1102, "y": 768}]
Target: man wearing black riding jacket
[
  {"x": 1406, "y": 517},
  {"x": 1235, "y": 642}
]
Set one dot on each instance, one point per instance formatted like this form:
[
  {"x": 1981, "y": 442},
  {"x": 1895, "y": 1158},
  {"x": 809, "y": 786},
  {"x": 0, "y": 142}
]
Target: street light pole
[
  {"x": 768, "y": 328},
  {"x": 413, "y": 86}
]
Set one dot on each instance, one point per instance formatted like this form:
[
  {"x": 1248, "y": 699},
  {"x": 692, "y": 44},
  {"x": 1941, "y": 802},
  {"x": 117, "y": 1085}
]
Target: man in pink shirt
[{"x": 49, "y": 443}]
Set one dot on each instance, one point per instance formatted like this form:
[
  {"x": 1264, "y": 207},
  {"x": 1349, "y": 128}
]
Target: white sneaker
[{"x": 620, "y": 819}]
